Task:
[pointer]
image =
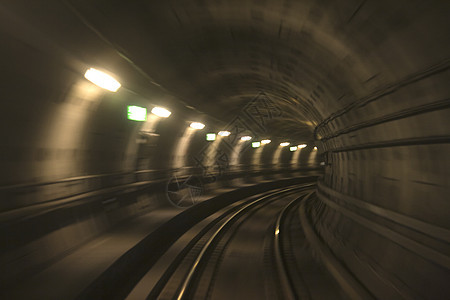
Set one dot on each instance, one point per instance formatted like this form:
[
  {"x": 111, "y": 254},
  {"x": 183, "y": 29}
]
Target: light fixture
[
  {"x": 301, "y": 146},
  {"x": 210, "y": 136},
  {"x": 315, "y": 148},
  {"x": 256, "y": 144},
  {"x": 102, "y": 79},
  {"x": 197, "y": 125},
  {"x": 284, "y": 144},
  {"x": 264, "y": 142},
  {"x": 293, "y": 148},
  {"x": 161, "y": 112},
  {"x": 136, "y": 113},
  {"x": 224, "y": 133},
  {"x": 246, "y": 138}
]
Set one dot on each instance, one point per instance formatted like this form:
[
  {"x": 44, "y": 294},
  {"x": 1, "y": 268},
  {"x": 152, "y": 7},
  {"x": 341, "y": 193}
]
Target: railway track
[{"x": 240, "y": 252}]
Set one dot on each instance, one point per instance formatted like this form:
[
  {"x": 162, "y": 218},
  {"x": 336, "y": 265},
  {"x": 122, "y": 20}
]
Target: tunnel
[{"x": 126, "y": 125}]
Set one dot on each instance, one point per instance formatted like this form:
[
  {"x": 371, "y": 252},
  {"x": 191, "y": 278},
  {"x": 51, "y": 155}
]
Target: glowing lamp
[
  {"x": 265, "y": 142},
  {"x": 161, "y": 112},
  {"x": 197, "y": 125},
  {"x": 224, "y": 133},
  {"x": 102, "y": 80},
  {"x": 210, "y": 136},
  {"x": 284, "y": 144},
  {"x": 293, "y": 148},
  {"x": 301, "y": 146},
  {"x": 246, "y": 138}
]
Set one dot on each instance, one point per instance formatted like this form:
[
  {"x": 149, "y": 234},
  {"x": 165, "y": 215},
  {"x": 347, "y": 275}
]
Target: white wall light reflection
[
  {"x": 296, "y": 157},
  {"x": 312, "y": 157},
  {"x": 182, "y": 148}
]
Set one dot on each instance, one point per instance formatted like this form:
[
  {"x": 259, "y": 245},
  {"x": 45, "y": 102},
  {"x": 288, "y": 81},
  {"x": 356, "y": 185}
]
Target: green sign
[
  {"x": 137, "y": 113},
  {"x": 210, "y": 136}
]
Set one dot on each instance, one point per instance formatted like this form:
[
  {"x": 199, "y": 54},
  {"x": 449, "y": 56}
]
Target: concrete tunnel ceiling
[
  {"x": 347, "y": 73},
  {"x": 219, "y": 56},
  {"x": 311, "y": 58}
]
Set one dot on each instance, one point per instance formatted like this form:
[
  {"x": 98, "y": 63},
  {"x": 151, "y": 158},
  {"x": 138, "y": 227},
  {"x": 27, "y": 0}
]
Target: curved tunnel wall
[
  {"x": 59, "y": 126},
  {"x": 72, "y": 164},
  {"x": 384, "y": 195},
  {"x": 380, "y": 112}
]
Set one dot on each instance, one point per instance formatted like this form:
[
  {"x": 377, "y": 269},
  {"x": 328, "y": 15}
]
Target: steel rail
[
  {"x": 194, "y": 268},
  {"x": 281, "y": 266}
]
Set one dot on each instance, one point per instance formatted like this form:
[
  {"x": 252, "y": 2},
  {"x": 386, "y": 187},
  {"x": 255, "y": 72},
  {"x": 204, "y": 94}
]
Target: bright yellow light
[
  {"x": 246, "y": 138},
  {"x": 197, "y": 125},
  {"x": 264, "y": 142},
  {"x": 315, "y": 148},
  {"x": 302, "y": 146},
  {"x": 256, "y": 144},
  {"x": 293, "y": 148},
  {"x": 161, "y": 112},
  {"x": 101, "y": 79},
  {"x": 284, "y": 144},
  {"x": 224, "y": 133}
]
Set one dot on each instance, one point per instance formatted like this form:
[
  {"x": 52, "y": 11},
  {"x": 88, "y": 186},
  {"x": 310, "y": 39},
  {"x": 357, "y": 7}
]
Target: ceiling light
[
  {"x": 161, "y": 112},
  {"x": 293, "y": 148},
  {"x": 210, "y": 136},
  {"x": 256, "y": 144},
  {"x": 246, "y": 138},
  {"x": 224, "y": 133},
  {"x": 315, "y": 148},
  {"x": 264, "y": 142},
  {"x": 102, "y": 79},
  {"x": 197, "y": 125},
  {"x": 302, "y": 146},
  {"x": 284, "y": 144}
]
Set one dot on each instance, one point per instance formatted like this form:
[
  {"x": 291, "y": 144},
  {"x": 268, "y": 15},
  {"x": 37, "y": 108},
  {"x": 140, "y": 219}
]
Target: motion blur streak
[
  {"x": 295, "y": 158},
  {"x": 276, "y": 156},
  {"x": 236, "y": 153},
  {"x": 256, "y": 161},
  {"x": 182, "y": 147}
]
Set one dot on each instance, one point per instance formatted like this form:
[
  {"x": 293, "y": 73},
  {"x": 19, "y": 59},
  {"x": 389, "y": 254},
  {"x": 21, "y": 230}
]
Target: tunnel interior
[{"x": 362, "y": 84}]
